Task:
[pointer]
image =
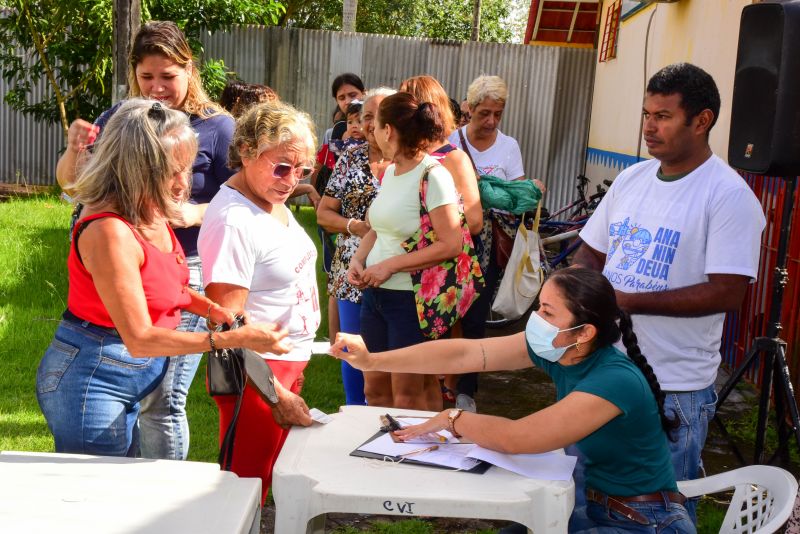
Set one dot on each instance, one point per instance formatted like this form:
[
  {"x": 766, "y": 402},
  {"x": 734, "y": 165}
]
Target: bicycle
[{"x": 559, "y": 236}]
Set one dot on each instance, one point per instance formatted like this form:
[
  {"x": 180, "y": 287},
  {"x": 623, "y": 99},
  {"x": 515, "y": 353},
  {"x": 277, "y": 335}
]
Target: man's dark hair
[
  {"x": 696, "y": 87},
  {"x": 348, "y": 78}
]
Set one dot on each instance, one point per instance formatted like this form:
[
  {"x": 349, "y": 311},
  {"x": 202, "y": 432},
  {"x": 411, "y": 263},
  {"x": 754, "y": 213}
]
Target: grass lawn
[{"x": 33, "y": 292}]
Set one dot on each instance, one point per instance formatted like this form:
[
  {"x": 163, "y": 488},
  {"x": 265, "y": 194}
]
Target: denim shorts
[{"x": 89, "y": 386}]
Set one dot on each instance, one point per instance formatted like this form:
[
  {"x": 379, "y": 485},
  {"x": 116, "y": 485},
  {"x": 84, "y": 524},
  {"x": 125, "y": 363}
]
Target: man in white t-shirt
[{"x": 678, "y": 237}]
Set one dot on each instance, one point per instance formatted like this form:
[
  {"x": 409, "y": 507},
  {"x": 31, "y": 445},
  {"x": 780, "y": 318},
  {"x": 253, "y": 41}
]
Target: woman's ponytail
[{"x": 635, "y": 354}]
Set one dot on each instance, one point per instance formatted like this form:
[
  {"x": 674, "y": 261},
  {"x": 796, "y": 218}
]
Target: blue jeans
[
  {"x": 352, "y": 378},
  {"x": 89, "y": 387},
  {"x": 578, "y": 475},
  {"x": 389, "y": 319},
  {"x": 596, "y": 518},
  {"x": 694, "y": 410},
  {"x": 163, "y": 425}
]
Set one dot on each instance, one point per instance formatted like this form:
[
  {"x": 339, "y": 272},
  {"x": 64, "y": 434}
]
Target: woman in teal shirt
[{"x": 608, "y": 403}]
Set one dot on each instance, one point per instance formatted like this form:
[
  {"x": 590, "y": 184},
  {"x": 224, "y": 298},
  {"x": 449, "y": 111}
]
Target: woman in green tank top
[{"x": 608, "y": 403}]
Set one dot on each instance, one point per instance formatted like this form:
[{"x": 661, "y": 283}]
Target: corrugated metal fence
[
  {"x": 549, "y": 87},
  {"x": 547, "y": 111},
  {"x": 29, "y": 150}
]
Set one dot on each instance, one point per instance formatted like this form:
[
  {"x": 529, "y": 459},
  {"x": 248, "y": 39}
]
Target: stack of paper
[{"x": 546, "y": 466}]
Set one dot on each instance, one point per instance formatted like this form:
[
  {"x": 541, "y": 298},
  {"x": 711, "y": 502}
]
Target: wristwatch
[{"x": 452, "y": 415}]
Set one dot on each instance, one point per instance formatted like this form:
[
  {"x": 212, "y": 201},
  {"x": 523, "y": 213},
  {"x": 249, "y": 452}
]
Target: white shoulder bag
[{"x": 523, "y": 276}]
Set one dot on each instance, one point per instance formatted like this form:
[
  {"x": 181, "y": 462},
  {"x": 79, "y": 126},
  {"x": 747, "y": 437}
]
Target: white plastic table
[
  {"x": 68, "y": 493},
  {"x": 315, "y": 475}
]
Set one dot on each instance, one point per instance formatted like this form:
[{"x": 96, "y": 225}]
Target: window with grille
[{"x": 608, "y": 46}]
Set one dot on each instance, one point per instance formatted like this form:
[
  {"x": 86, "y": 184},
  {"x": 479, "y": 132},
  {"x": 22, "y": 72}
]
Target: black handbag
[{"x": 227, "y": 373}]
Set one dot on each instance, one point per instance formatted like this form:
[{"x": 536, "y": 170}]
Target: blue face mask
[{"x": 540, "y": 335}]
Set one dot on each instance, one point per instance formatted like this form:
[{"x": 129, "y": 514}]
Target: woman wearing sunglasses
[{"x": 257, "y": 257}]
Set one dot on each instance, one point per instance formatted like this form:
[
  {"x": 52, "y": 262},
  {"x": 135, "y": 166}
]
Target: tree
[
  {"x": 68, "y": 43},
  {"x": 446, "y": 19}
]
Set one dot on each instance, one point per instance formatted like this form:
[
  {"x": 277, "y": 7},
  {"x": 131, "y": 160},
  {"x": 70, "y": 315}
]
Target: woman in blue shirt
[{"x": 608, "y": 403}]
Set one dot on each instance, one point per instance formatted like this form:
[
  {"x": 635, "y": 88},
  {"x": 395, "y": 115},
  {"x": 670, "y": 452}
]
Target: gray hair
[
  {"x": 483, "y": 87},
  {"x": 267, "y": 125},
  {"x": 381, "y": 91},
  {"x": 141, "y": 148}
]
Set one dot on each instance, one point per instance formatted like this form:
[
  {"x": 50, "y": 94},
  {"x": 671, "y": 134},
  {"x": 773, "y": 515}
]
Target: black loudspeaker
[{"x": 765, "y": 115}]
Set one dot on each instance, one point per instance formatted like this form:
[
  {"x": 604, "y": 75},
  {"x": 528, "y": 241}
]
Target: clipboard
[{"x": 479, "y": 469}]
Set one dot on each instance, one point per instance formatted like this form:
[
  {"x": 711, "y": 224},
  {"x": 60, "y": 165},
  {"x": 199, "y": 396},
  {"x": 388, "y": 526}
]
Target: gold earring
[{"x": 578, "y": 346}]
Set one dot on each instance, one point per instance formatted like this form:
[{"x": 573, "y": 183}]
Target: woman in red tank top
[{"x": 128, "y": 284}]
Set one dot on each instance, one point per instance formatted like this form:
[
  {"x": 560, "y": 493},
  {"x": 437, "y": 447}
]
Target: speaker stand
[{"x": 775, "y": 381}]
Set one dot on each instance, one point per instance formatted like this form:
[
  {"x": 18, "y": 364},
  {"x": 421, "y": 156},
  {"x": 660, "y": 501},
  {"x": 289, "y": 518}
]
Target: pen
[
  {"x": 418, "y": 451},
  {"x": 393, "y": 424}
]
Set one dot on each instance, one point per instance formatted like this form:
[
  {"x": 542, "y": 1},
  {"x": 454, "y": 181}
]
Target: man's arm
[
  {"x": 589, "y": 258},
  {"x": 722, "y": 292}
]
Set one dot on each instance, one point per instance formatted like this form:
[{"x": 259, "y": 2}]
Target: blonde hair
[
  {"x": 428, "y": 89},
  {"x": 483, "y": 87},
  {"x": 142, "y": 147},
  {"x": 164, "y": 38},
  {"x": 267, "y": 125}
]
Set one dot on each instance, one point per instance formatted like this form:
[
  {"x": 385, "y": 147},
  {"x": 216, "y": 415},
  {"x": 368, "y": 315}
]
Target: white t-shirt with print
[
  {"x": 394, "y": 214},
  {"x": 661, "y": 235},
  {"x": 243, "y": 245},
  {"x": 503, "y": 159}
]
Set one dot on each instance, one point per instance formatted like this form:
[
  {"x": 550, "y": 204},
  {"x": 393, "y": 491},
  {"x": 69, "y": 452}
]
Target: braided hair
[{"x": 590, "y": 298}]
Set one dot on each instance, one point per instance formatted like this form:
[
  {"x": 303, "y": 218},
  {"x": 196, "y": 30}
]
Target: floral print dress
[{"x": 353, "y": 184}]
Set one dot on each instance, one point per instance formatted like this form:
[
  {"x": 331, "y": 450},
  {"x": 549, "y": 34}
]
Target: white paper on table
[
  {"x": 447, "y": 455},
  {"x": 545, "y": 466}
]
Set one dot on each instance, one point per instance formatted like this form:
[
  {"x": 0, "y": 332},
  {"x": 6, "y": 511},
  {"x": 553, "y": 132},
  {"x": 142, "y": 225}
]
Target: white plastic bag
[{"x": 523, "y": 276}]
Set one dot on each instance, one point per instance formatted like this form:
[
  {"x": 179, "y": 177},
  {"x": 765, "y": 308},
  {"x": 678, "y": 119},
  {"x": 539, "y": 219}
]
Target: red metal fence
[{"x": 752, "y": 320}]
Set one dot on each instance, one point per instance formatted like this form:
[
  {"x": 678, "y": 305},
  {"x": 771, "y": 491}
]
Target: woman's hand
[
  {"x": 264, "y": 337},
  {"x": 290, "y": 410},
  {"x": 377, "y": 274},
  {"x": 540, "y": 185},
  {"x": 189, "y": 215},
  {"x": 355, "y": 274},
  {"x": 219, "y": 315},
  {"x": 434, "y": 424},
  {"x": 81, "y": 134},
  {"x": 351, "y": 348}
]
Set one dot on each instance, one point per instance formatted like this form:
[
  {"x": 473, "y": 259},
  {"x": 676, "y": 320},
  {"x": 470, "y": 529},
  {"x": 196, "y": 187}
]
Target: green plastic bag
[{"x": 516, "y": 196}]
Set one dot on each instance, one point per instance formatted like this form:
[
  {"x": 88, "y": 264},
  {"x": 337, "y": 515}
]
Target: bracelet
[
  {"x": 211, "y": 341},
  {"x": 349, "y": 222},
  {"x": 211, "y": 325}
]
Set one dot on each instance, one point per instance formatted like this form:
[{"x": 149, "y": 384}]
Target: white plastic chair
[{"x": 762, "y": 501}]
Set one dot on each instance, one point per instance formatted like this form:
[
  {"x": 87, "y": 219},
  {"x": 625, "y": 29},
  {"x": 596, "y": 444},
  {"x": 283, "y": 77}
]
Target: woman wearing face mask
[
  {"x": 161, "y": 68},
  {"x": 608, "y": 403}
]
